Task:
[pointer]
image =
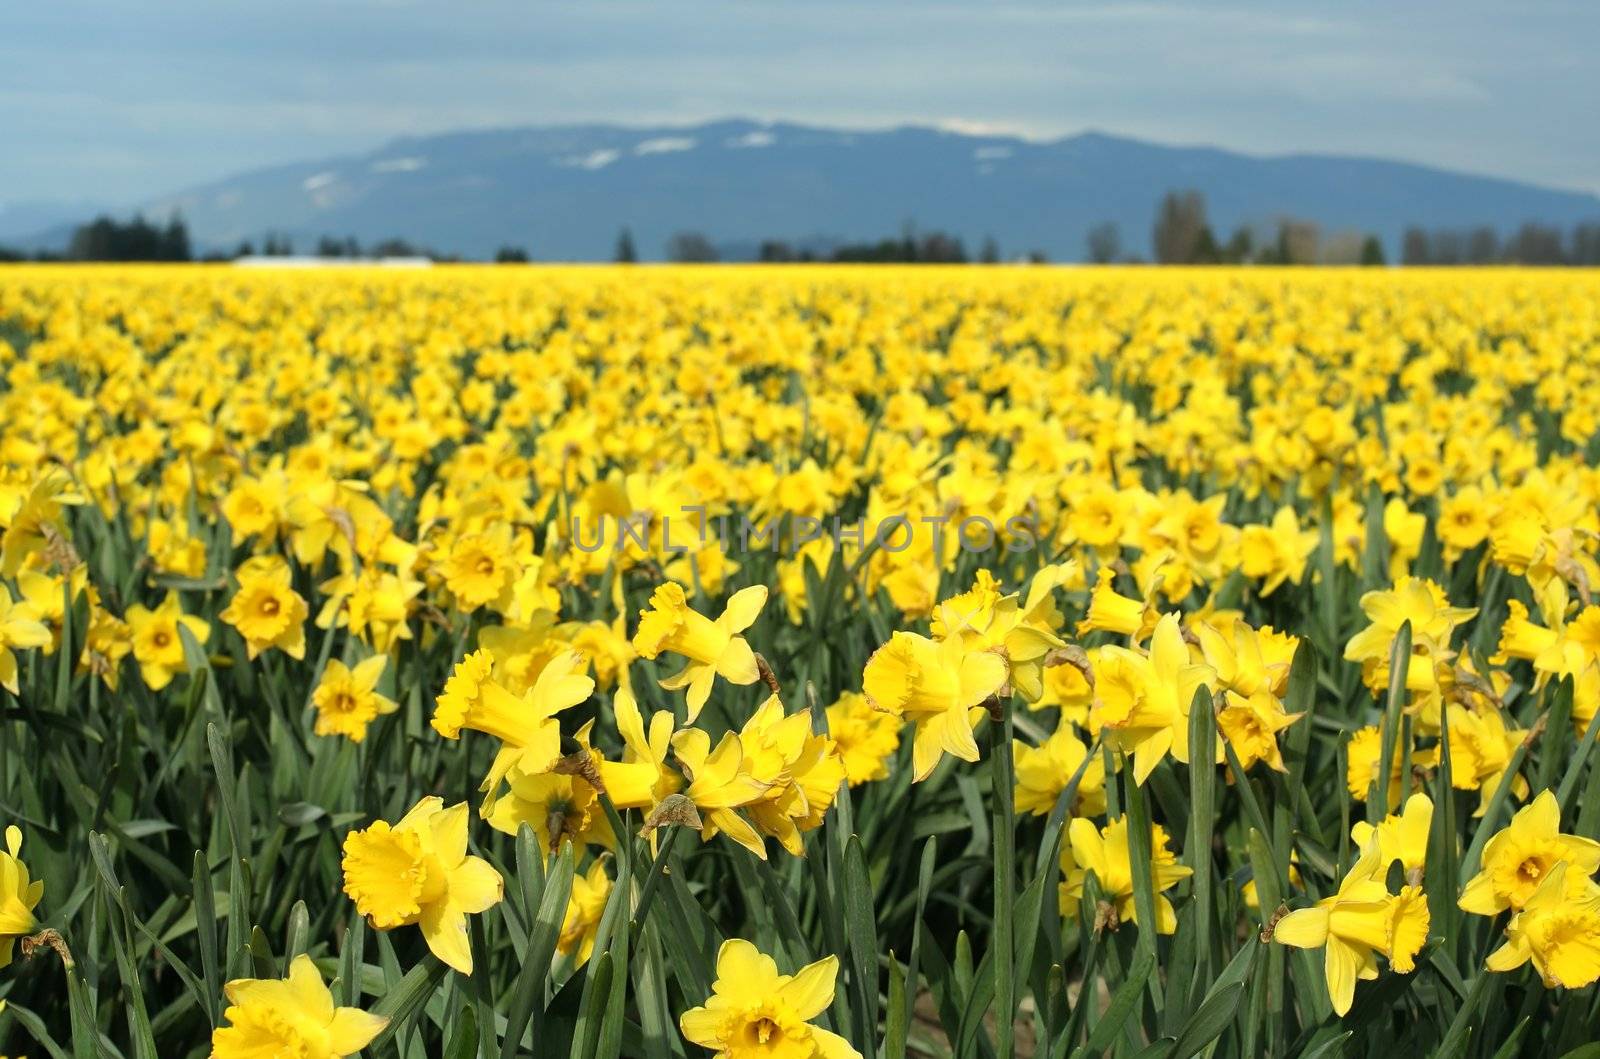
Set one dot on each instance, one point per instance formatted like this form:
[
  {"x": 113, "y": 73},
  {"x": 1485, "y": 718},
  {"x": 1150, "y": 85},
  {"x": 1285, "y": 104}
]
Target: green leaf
[
  {"x": 1123, "y": 1004},
  {"x": 1209, "y": 1021}
]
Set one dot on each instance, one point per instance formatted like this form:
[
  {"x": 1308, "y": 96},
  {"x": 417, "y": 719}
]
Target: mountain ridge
[{"x": 565, "y": 191}]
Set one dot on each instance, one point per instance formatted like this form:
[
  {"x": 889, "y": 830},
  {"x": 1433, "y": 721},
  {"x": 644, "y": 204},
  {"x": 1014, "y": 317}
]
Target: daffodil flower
[
  {"x": 642, "y": 778},
  {"x": 19, "y": 627},
  {"x": 756, "y": 1013},
  {"x": 1558, "y": 929},
  {"x": 347, "y": 700},
  {"x": 19, "y": 895},
  {"x": 1519, "y": 856},
  {"x": 1142, "y": 700},
  {"x": 529, "y": 734},
  {"x": 419, "y": 872},
  {"x": 291, "y": 1016},
  {"x": 157, "y": 645},
  {"x": 713, "y": 647},
  {"x": 1043, "y": 772},
  {"x": 1401, "y": 836},
  {"x": 1108, "y": 853},
  {"x": 937, "y": 685},
  {"x": 1413, "y": 599},
  {"x": 720, "y": 782},
  {"x": 1356, "y": 925}
]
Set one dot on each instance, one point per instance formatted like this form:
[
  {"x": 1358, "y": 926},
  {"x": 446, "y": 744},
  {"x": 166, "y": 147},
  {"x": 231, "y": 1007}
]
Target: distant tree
[
  {"x": 11, "y": 254},
  {"x": 690, "y": 248},
  {"x": 1300, "y": 241},
  {"x": 277, "y": 245},
  {"x": 511, "y": 255},
  {"x": 394, "y": 246},
  {"x": 775, "y": 251},
  {"x": 1206, "y": 251},
  {"x": 989, "y": 253},
  {"x": 106, "y": 239},
  {"x": 1036, "y": 257},
  {"x": 1105, "y": 243},
  {"x": 1372, "y": 251},
  {"x": 174, "y": 244},
  {"x": 1445, "y": 247},
  {"x": 1180, "y": 219},
  {"x": 1239, "y": 247},
  {"x": 937, "y": 248},
  {"x": 1414, "y": 248},
  {"x": 625, "y": 253},
  {"x": 245, "y": 249},
  {"x": 1536, "y": 244},
  {"x": 328, "y": 246},
  {"x": 1586, "y": 244},
  {"x": 1483, "y": 246}
]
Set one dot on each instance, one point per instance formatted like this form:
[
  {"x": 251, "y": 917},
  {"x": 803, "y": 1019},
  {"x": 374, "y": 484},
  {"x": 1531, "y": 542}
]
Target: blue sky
[{"x": 114, "y": 103}]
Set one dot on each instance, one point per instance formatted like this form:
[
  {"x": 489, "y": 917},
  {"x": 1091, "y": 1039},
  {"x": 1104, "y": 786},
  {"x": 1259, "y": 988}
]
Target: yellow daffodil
[
  {"x": 866, "y": 738},
  {"x": 1558, "y": 928},
  {"x": 1112, "y": 612},
  {"x": 108, "y": 642},
  {"x": 1277, "y": 552},
  {"x": 1043, "y": 773},
  {"x": 19, "y": 895},
  {"x": 1356, "y": 925},
  {"x": 1251, "y": 725},
  {"x": 346, "y": 699},
  {"x": 1419, "y": 601},
  {"x": 290, "y": 1016},
  {"x": 1246, "y": 660},
  {"x": 987, "y": 621},
  {"x": 19, "y": 628},
  {"x": 1481, "y": 748},
  {"x": 481, "y": 568},
  {"x": 35, "y": 518},
  {"x": 559, "y": 807},
  {"x": 526, "y": 725},
  {"x": 266, "y": 610},
  {"x": 1361, "y": 763},
  {"x": 1142, "y": 700},
  {"x": 418, "y": 872},
  {"x": 802, "y": 772},
  {"x": 712, "y": 647},
  {"x": 642, "y": 778},
  {"x": 720, "y": 782},
  {"x": 937, "y": 685},
  {"x": 157, "y": 646},
  {"x": 756, "y": 1013},
  {"x": 585, "y": 906},
  {"x": 1519, "y": 856},
  {"x": 1401, "y": 836},
  {"x": 1108, "y": 854}
]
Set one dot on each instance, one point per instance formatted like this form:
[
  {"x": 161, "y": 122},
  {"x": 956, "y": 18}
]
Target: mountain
[{"x": 565, "y": 192}]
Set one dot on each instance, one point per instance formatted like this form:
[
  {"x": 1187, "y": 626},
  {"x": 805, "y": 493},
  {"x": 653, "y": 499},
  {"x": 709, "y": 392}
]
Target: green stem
[{"x": 1005, "y": 868}]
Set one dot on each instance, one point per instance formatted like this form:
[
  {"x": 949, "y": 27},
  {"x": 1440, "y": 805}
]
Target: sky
[{"x": 113, "y": 103}]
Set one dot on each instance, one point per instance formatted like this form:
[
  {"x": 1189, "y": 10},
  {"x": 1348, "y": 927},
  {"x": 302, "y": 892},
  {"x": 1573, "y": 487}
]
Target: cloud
[
  {"x": 755, "y": 138},
  {"x": 665, "y": 145},
  {"x": 399, "y": 165},
  {"x": 593, "y": 160}
]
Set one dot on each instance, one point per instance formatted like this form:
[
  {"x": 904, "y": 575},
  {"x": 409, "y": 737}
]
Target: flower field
[{"x": 798, "y": 663}]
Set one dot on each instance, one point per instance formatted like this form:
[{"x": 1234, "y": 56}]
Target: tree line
[
  {"x": 1530, "y": 244},
  {"x": 1180, "y": 235}
]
